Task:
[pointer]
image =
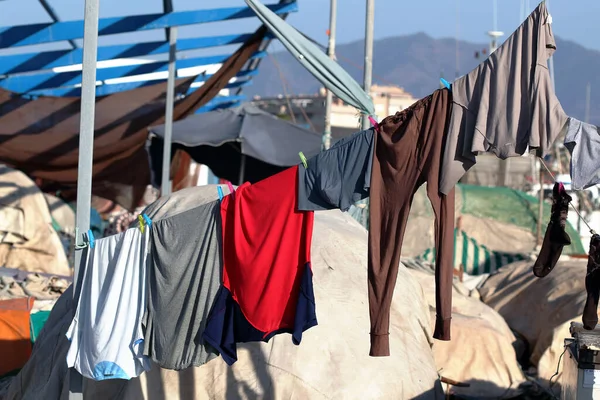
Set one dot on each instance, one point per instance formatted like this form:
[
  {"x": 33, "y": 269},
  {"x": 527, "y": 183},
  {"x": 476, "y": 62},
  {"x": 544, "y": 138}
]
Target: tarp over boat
[
  {"x": 41, "y": 136},
  {"x": 241, "y": 142}
]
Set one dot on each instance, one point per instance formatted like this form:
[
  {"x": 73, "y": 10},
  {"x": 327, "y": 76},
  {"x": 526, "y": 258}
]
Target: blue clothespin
[
  {"x": 445, "y": 83},
  {"x": 147, "y": 219},
  {"x": 91, "y": 239},
  {"x": 220, "y": 192}
]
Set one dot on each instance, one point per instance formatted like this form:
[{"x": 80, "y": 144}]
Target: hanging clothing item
[
  {"x": 583, "y": 142},
  {"x": 507, "y": 103},
  {"x": 184, "y": 277},
  {"x": 266, "y": 265},
  {"x": 338, "y": 177},
  {"x": 556, "y": 236},
  {"x": 408, "y": 151},
  {"x": 106, "y": 333},
  {"x": 228, "y": 325},
  {"x": 592, "y": 285}
]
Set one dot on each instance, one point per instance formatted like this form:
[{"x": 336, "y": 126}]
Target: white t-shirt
[{"x": 106, "y": 332}]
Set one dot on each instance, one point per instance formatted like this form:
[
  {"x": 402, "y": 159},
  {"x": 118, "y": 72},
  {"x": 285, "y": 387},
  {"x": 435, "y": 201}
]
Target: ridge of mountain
[{"x": 416, "y": 62}]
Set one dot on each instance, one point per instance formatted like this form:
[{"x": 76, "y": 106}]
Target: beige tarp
[
  {"x": 480, "y": 352},
  {"x": 332, "y": 361},
  {"x": 27, "y": 239},
  {"x": 540, "y": 310}
]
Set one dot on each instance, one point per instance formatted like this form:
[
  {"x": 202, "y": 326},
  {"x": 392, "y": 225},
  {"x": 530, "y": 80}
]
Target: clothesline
[
  {"x": 270, "y": 223},
  {"x": 571, "y": 204}
]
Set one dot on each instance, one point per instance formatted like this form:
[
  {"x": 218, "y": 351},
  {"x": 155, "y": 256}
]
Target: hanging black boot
[
  {"x": 556, "y": 236},
  {"x": 592, "y": 285}
]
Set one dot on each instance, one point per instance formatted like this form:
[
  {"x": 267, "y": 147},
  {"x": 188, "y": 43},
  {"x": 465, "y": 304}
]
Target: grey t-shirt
[
  {"x": 506, "y": 104},
  {"x": 583, "y": 142},
  {"x": 338, "y": 177},
  {"x": 184, "y": 275}
]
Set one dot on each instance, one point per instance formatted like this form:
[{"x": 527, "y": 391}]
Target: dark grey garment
[
  {"x": 183, "y": 279},
  {"x": 583, "y": 142},
  {"x": 338, "y": 177}
]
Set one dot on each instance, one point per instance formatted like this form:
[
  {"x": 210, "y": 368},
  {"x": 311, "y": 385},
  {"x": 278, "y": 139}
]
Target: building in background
[{"x": 309, "y": 110}]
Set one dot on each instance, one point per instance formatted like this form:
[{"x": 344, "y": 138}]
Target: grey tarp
[
  {"x": 327, "y": 71},
  {"x": 221, "y": 138}
]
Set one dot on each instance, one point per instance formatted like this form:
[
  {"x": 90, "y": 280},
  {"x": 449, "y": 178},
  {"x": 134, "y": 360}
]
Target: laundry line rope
[{"x": 571, "y": 204}]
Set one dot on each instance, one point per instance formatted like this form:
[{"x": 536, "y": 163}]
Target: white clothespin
[{"x": 82, "y": 244}]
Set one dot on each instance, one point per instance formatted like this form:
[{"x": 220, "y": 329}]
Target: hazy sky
[{"x": 468, "y": 19}]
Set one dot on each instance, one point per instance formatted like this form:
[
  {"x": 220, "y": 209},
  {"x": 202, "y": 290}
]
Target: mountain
[{"x": 415, "y": 62}]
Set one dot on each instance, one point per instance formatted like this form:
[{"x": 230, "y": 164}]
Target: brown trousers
[{"x": 408, "y": 153}]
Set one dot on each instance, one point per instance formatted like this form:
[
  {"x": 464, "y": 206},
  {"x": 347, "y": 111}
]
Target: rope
[
  {"x": 312, "y": 127},
  {"x": 571, "y": 204},
  {"x": 283, "y": 86}
]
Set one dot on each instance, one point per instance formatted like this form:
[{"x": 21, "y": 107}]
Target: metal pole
[
  {"x": 457, "y": 71},
  {"x": 86, "y": 126},
  {"x": 551, "y": 60},
  {"x": 495, "y": 4},
  {"x": 242, "y": 170},
  {"x": 502, "y": 172},
  {"x": 331, "y": 54},
  {"x": 588, "y": 98},
  {"x": 580, "y": 209},
  {"x": 368, "y": 54},
  {"x": 86, "y": 152},
  {"x": 369, "y": 28},
  {"x": 166, "y": 182}
]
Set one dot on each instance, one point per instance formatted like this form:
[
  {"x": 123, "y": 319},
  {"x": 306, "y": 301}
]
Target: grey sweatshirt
[{"x": 507, "y": 104}]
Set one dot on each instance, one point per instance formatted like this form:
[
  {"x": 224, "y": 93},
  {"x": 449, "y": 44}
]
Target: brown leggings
[{"x": 408, "y": 153}]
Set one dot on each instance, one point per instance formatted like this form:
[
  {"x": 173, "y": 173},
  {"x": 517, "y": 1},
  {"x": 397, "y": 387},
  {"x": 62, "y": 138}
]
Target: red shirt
[{"x": 266, "y": 247}]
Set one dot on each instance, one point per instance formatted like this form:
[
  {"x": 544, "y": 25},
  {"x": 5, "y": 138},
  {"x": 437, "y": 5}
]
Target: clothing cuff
[
  {"x": 442, "y": 328},
  {"x": 380, "y": 345}
]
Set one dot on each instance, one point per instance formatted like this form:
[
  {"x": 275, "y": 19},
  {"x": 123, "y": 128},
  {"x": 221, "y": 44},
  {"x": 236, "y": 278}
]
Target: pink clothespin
[
  {"x": 374, "y": 123},
  {"x": 231, "y": 189}
]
